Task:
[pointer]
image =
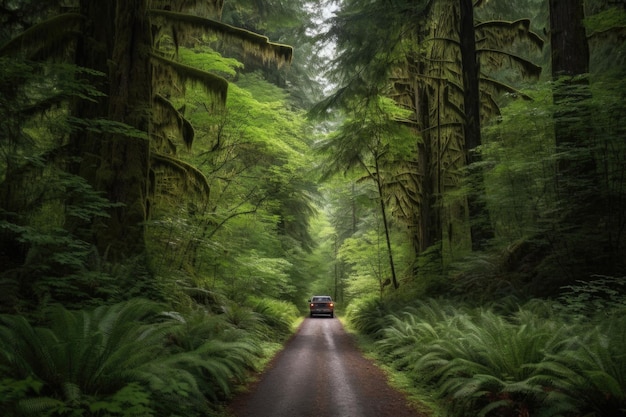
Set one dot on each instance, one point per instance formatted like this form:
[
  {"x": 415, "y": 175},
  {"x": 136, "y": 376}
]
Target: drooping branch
[
  {"x": 188, "y": 171},
  {"x": 212, "y": 83},
  {"x": 252, "y": 43}
]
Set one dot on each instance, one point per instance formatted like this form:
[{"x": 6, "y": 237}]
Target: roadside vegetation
[
  {"x": 134, "y": 358},
  {"x": 539, "y": 358}
]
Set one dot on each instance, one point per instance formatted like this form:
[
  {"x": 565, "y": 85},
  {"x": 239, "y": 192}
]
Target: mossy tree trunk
[{"x": 117, "y": 43}]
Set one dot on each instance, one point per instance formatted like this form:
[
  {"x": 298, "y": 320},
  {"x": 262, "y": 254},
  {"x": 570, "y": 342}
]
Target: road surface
[{"x": 320, "y": 372}]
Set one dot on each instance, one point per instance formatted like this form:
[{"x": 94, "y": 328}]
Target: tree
[
  {"x": 575, "y": 182},
  {"x": 372, "y": 141},
  {"x": 128, "y": 41},
  {"x": 481, "y": 230},
  {"x": 418, "y": 54}
]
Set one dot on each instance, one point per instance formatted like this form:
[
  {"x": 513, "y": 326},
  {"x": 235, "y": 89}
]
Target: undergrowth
[
  {"x": 538, "y": 359},
  {"x": 134, "y": 358}
]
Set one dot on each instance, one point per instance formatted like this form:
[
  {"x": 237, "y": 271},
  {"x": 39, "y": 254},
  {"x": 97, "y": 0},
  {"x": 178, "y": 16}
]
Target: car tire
[
  {"x": 332, "y": 315},
  {"x": 311, "y": 315}
]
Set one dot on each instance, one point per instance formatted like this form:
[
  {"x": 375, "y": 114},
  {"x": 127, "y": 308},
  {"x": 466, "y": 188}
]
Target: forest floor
[{"x": 322, "y": 372}]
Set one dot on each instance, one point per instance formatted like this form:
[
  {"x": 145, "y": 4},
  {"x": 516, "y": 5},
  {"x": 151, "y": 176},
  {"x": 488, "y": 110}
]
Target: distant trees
[{"x": 429, "y": 66}]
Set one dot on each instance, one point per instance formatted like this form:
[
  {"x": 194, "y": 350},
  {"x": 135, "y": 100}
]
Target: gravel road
[{"x": 320, "y": 372}]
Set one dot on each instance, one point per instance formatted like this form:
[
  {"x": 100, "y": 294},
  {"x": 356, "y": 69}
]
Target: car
[{"x": 322, "y": 304}]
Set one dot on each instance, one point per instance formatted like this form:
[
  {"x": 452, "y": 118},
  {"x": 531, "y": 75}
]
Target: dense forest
[{"x": 177, "y": 177}]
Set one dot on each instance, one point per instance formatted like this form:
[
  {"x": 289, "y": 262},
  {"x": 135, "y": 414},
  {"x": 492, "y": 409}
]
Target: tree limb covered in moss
[
  {"x": 213, "y": 84},
  {"x": 252, "y": 43},
  {"x": 188, "y": 171}
]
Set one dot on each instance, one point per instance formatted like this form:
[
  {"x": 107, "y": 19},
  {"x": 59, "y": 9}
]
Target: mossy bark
[{"x": 117, "y": 43}]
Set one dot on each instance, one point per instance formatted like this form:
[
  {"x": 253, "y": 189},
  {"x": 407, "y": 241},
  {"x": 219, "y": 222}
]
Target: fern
[
  {"x": 476, "y": 362},
  {"x": 94, "y": 360},
  {"x": 277, "y": 317},
  {"x": 589, "y": 372},
  {"x": 369, "y": 316}
]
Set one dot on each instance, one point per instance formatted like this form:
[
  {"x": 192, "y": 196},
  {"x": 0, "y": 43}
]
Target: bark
[
  {"x": 117, "y": 43},
  {"x": 570, "y": 67},
  {"x": 480, "y": 225}
]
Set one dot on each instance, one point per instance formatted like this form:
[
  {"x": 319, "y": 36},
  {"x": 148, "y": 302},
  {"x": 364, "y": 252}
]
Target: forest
[{"x": 178, "y": 177}]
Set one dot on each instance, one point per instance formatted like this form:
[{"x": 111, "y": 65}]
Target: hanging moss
[
  {"x": 191, "y": 178},
  {"x": 252, "y": 43},
  {"x": 169, "y": 112},
  {"x": 213, "y": 84}
]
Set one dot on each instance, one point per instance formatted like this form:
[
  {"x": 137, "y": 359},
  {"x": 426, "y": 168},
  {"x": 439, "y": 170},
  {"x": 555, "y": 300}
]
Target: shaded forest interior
[{"x": 177, "y": 178}]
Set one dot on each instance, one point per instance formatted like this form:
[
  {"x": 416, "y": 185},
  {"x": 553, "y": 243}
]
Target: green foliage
[
  {"x": 587, "y": 376},
  {"x": 251, "y": 234},
  {"x": 534, "y": 361},
  {"x": 276, "y": 316},
  {"x": 131, "y": 400},
  {"x": 60, "y": 264},
  {"x": 126, "y": 359},
  {"x": 369, "y": 315},
  {"x": 607, "y": 20},
  {"x": 593, "y": 298}
]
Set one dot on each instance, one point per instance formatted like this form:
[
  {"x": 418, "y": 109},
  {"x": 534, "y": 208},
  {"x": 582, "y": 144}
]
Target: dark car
[{"x": 322, "y": 304}]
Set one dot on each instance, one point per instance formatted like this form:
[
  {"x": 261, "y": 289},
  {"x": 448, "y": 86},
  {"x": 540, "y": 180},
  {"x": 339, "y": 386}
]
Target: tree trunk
[
  {"x": 570, "y": 66},
  {"x": 118, "y": 42},
  {"x": 480, "y": 225},
  {"x": 570, "y": 50},
  {"x": 383, "y": 213},
  {"x": 579, "y": 243}
]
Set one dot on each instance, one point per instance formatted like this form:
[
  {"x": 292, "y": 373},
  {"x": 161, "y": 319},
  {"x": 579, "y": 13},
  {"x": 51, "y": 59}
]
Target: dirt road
[{"x": 320, "y": 372}]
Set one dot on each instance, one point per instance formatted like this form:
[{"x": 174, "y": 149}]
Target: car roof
[{"x": 322, "y": 297}]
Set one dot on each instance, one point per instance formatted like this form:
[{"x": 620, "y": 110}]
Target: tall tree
[
  {"x": 480, "y": 226},
  {"x": 124, "y": 41},
  {"x": 580, "y": 206},
  {"x": 435, "y": 61},
  {"x": 570, "y": 69}
]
